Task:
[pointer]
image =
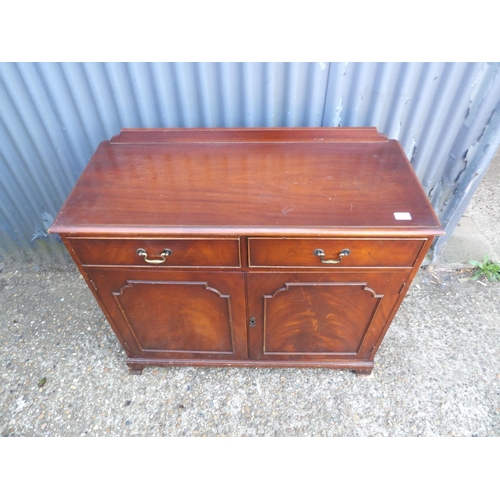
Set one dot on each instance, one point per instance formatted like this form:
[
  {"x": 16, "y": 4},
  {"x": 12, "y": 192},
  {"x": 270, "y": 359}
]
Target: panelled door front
[
  {"x": 175, "y": 314},
  {"x": 308, "y": 316}
]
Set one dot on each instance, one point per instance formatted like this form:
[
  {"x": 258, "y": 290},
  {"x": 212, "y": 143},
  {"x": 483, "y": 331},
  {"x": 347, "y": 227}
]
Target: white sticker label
[{"x": 402, "y": 215}]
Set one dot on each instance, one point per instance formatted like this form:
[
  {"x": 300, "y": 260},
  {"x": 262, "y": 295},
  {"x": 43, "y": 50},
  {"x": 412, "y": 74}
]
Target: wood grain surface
[{"x": 279, "y": 180}]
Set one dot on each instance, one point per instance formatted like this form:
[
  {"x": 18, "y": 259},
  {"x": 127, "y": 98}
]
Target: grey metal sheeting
[{"x": 54, "y": 115}]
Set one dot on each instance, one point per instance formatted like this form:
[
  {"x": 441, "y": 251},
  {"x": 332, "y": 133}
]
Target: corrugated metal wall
[{"x": 53, "y": 116}]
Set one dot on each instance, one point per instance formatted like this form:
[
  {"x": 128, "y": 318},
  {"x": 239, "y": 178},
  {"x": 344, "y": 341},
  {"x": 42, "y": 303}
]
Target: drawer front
[
  {"x": 326, "y": 253},
  {"x": 158, "y": 252}
]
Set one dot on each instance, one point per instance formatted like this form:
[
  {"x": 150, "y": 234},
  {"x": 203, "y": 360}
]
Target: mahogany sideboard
[{"x": 279, "y": 247}]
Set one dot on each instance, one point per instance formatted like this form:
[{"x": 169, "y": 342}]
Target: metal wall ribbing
[{"x": 53, "y": 116}]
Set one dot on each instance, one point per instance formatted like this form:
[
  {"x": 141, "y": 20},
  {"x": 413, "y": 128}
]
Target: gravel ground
[{"x": 63, "y": 372}]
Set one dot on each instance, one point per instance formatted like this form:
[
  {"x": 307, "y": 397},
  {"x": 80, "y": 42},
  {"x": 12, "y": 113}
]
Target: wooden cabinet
[{"x": 249, "y": 247}]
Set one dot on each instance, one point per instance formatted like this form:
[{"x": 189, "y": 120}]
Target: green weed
[{"x": 489, "y": 269}]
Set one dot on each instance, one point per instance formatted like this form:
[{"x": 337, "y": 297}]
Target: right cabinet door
[{"x": 320, "y": 316}]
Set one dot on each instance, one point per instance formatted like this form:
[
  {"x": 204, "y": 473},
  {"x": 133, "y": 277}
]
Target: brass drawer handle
[
  {"x": 344, "y": 253},
  {"x": 163, "y": 255}
]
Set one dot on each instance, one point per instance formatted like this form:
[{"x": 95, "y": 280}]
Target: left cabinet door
[{"x": 175, "y": 314}]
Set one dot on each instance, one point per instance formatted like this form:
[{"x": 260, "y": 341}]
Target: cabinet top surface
[{"x": 251, "y": 181}]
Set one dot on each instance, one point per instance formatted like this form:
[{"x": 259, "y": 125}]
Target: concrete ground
[{"x": 437, "y": 373}]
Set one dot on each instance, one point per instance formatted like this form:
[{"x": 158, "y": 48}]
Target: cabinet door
[
  {"x": 307, "y": 317},
  {"x": 177, "y": 315}
]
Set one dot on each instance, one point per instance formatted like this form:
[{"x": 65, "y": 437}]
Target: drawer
[
  {"x": 179, "y": 252},
  {"x": 305, "y": 252}
]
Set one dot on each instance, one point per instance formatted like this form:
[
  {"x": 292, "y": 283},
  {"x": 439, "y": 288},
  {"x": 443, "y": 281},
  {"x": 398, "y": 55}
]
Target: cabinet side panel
[
  {"x": 129, "y": 346},
  {"x": 401, "y": 295}
]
